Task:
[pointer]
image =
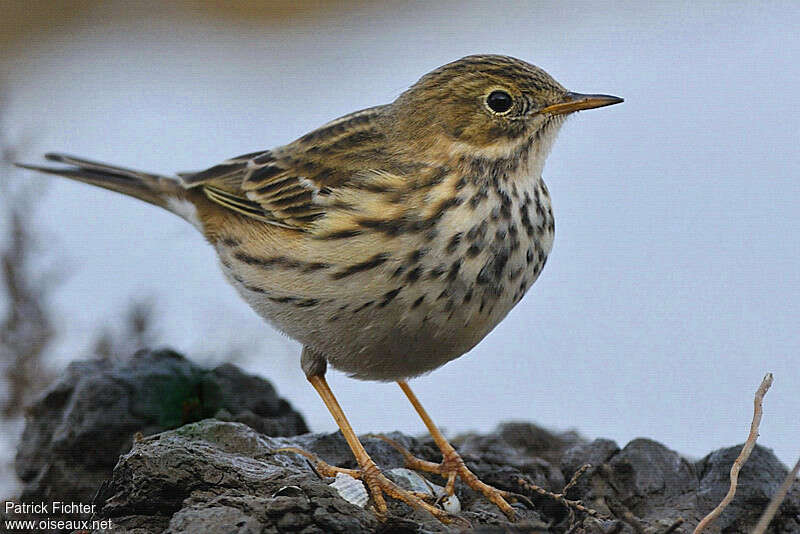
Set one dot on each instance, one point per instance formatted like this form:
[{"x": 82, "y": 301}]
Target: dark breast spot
[
  {"x": 468, "y": 295},
  {"x": 255, "y": 289},
  {"x": 375, "y": 261},
  {"x": 282, "y": 300},
  {"x": 477, "y": 231},
  {"x": 481, "y": 195},
  {"x": 390, "y": 227},
  {"x": 315, "y": 266},
  {"x": 436, "y": 272},
  {"x": 474, "y": 249},
  {"x": 389, "y": 296},
  {"x": 413, "y": 275},
  {"x": 454, "y": 242},
  {"x": 526, "y": 223},
  {"x": 454, "y": 268},
  {"x": 492, "y": 270},
  {"x": 415, "y": 256},
  {"x": 229, "y": 241},
  {"x": 363, "y": 306}
]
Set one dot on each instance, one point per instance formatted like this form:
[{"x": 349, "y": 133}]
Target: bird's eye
[{"x": 499, "y": 101}]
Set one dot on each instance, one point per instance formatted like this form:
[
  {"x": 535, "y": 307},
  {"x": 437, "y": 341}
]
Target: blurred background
[{"x": 673, "y": 286}]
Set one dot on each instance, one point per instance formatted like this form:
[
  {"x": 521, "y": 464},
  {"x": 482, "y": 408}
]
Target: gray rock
[
  {"x": 220, "y": 475},
  {"x": 596, "y": 453},
  {"x": 645, "y": 468},
  {"x": 657, "y": 486},
  {"x": 215, "y": 476},
  {"x": 759, "y": 479},
  {"x": 77, "y": 430}
]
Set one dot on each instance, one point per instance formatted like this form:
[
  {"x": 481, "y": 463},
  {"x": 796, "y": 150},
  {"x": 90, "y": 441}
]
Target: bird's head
[{"x": 486, "y": 104}]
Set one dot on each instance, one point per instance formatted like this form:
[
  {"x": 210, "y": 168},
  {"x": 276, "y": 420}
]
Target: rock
[
  {"x": 759, "y": 479},
  {"x": 215, "y": 470},
  {"x": 209, "y": 475},
  {"x": 657, "y": 486},
  {"x": 77, "y": 430},
  {"x": 595, "y": 453}
]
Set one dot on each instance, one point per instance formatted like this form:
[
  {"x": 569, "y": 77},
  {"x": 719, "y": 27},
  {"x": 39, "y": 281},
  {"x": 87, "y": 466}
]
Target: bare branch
[
  {"x": 25, "y": 327},
  {"x": 743, "y": 456},
  {"x": 777, "y": 499},
  {"x": 559, "y": 497}
]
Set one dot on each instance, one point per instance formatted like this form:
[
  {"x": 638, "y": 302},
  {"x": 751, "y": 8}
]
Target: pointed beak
[{"x": 576, "y": 102}]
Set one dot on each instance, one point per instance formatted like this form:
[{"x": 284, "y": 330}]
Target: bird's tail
[{"x": 155, "y": 189}]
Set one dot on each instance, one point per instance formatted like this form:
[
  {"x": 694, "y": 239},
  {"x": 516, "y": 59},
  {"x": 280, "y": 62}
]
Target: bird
[{"x": 389, "y": 241}]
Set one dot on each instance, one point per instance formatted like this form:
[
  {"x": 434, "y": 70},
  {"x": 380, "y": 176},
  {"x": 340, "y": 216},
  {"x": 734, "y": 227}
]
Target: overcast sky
[{"x": 674, "y": 282}]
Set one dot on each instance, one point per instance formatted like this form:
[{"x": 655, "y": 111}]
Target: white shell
[
  {"x": 413, "y": 481},
  {"x": 451, "y": 504},
  {"x": 351, "y": 489}
]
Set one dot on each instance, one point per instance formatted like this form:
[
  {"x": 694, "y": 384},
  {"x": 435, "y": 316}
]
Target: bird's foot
[
  {"x": 377, "y": 485},
  {"x": 452, "y": 466}
]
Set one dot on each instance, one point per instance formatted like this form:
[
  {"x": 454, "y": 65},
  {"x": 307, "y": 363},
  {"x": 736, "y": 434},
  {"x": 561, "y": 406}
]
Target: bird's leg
[
  {"x": 369, "y": 473},
  {"x": 452, "y": 465}
]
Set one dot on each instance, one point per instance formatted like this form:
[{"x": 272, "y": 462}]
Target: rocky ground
[{"x": 158, "y": 444}]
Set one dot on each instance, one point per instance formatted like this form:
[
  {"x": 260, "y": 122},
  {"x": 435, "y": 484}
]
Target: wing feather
[{"x": 289, "y": 186}]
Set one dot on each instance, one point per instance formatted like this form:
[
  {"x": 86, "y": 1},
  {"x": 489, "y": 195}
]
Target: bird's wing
[
  {"x": 293, "y": 186},
  {"x": 284, "y": 198}
]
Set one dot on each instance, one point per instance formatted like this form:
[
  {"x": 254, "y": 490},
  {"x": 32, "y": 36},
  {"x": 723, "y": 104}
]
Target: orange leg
[
  {"x": 452, "y": 465},
  {"x": 369, "y": 472}
]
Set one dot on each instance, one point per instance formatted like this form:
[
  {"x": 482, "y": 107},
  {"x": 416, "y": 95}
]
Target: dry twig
[
  {"x": 742, "y": 458},
  {"x": 575, "y": 477},
  {"x": 624, "y": 514},
  {"x": 559, "y": 497},
  {"x": 674, "y": 526},
  {"x": 25, "y": 324},
  {"x": 777, "y": 499}
]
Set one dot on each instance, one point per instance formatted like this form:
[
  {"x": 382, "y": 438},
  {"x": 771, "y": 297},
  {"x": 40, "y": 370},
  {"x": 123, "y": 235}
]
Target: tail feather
[{"x": 153, "y": 188}]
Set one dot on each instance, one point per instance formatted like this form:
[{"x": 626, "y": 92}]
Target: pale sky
[{"x": 674, "y": 282}]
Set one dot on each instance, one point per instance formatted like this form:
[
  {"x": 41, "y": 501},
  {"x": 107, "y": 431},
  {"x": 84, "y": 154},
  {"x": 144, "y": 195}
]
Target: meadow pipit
[{"x": 389, "y": 241}]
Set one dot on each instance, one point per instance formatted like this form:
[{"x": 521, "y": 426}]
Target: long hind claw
[
  {"x": 377, "y": 484},
  {"x": 452, "y": 466}
]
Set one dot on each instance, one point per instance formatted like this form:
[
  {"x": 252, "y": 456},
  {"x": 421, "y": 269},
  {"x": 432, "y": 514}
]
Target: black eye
[{"x": 499, "y": 101}]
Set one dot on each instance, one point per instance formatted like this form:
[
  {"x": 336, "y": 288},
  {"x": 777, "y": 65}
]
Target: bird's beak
[{"x": 576, "y": 102}]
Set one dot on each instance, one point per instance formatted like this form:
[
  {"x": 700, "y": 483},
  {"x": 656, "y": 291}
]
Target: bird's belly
[
  {"x": 382, "y": 343},
  {"x": 406, "y": 305},
  {"x": 400, "y": 319},
  {"x": 367, "y": 341}
]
